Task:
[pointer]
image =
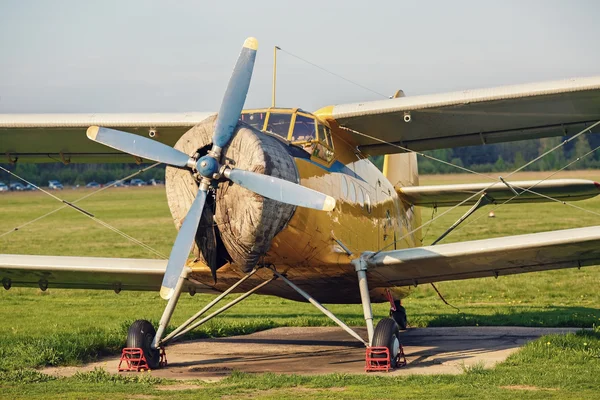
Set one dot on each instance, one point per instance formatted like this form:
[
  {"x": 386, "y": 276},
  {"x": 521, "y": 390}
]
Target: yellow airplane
[{"x": 285, "y": 202}]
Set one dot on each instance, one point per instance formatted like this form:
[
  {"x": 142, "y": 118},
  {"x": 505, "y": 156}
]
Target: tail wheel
[
  {"x": 387, "y": 334},
  {"x": 399, "y": 315},
  {"x": 140, "y": 335}
]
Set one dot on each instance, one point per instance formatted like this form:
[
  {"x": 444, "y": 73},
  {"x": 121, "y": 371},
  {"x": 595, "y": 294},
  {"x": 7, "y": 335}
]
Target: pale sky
[{"x": 160, "y": 56}]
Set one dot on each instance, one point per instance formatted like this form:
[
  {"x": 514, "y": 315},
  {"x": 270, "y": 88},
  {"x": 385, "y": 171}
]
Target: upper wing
[
  {"x": 490, "y": 257},
  {"x": 472, "y": 117},
  {"x": 87, "y": 273},
  {"x": 548, "y": 190},
  {"x": 61, "y": 137}
]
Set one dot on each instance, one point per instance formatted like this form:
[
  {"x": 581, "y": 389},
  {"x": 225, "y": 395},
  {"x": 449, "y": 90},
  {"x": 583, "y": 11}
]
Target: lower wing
[
  {"x": 570, "y": 248},
  {"x": 88, "y": 273}
]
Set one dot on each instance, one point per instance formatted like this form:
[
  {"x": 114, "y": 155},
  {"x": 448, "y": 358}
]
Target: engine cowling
[{"x": 237, "y": 225}]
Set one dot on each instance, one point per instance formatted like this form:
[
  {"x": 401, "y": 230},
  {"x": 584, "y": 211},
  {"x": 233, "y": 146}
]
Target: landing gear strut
[
  {"x": 398, "y": 314},
  {"x": 142, "y": 338},
  {"x": 387, "y": 333}
]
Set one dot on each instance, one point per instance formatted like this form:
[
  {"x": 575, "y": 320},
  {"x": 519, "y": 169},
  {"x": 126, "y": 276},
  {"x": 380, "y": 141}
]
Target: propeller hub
[{"x": 207, "y": 166}]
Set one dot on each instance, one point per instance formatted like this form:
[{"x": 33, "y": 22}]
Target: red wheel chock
[
  {"x": 136, "y": 361},
  {"x": 378, "y": 359}
]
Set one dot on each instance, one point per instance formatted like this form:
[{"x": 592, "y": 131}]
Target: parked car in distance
[
  {"x": 55, "y": 185},
  {"x": 3, "y": 187},
  {"x": 29, "y": 186},
  {"x": 17, "y": 186},
  {"x": 116, "y": 184},
  {"x": 93, "y": 185},
  {"x": 137, "y": 182},
  {"x": 155, "y": 182}
]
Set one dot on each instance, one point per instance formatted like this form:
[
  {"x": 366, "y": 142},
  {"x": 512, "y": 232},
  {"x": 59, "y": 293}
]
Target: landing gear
[
  {"x": 387, "y": 335},
  {"x": 145, "y": 346},
  {"x": 399, "y": 315},
  {"x": 140, "y": 335}
]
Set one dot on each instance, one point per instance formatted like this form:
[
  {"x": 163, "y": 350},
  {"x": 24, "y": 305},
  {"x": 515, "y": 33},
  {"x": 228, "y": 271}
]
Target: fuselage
[{"x": 315, "y": 248}]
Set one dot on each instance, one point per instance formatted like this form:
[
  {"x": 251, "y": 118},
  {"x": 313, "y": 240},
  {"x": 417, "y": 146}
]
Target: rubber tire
[
  {"x": 385, "y": 335},
  {"x": 141, "y": 334},
  {"x": 399, "y": 316}
]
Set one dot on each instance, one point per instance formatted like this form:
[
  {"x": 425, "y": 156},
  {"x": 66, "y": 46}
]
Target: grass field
[{"x": 68, "y": 327}]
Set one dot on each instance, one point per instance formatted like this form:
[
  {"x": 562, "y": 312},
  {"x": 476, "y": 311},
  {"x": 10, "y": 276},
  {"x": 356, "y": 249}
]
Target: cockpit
[{"x": 299, "y": 127}]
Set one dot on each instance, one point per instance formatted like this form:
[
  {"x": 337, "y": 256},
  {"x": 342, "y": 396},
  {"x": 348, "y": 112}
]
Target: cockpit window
[
  {"x": 307, "y": 132},
  {"x": 329, "y": 139},
  {"x": 304, "y": 129},
  {"x": 256, "y": 120},
  {"x": 279, "y": 124}
]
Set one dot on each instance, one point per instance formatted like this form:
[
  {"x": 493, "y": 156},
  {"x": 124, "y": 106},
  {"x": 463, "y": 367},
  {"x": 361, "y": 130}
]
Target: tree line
[
  {"x": 509, "y": 156},
  {"x": 78, "y": 174},
  {"x": 488, "y": 158}
]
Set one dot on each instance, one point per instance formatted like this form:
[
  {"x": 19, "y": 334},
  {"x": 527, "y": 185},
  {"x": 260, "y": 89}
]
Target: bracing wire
[
  {"x": 586, "y": 129},
  {"x": 540, "y": 194},
  {"x": 92, "y": 217},
  {"x": 334, "y": 74}
]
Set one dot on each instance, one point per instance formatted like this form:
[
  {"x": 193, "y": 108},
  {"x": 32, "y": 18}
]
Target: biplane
[{"x": 285, "y": 202}]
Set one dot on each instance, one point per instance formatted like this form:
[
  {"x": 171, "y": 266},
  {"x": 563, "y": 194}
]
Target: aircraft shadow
[
  {"x": 553, "y": 316},
  {"x": 449, "y": 339}
]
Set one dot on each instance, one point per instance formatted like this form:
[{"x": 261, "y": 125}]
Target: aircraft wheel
[
  {"x": 387, "y": 335},
  {"x": 141, "y": 334},
  {"x": 399, "y": 316}
]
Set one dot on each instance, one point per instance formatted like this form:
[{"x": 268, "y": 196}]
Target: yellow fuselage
[{"x": 315, "y": 248}]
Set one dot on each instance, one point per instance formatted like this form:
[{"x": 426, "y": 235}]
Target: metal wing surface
[
  {"x": 545, "y": 191},
  {"x": 62, "y": 137},
  {"x": 571, "y": 248},
  {"x": 87, "y": 273},
  {"x": 473, "y": 117}
]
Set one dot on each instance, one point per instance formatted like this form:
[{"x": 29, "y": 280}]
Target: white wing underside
[
  {"x": 571, "y": 248},
  {"x": 473, "y": 117},
  {"x": 61, "y": 137},
  {"x": 87, "y": 273}
]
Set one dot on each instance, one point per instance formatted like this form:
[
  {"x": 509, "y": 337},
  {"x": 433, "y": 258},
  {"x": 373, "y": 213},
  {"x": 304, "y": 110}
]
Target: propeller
[{"x": 209, "y": 168}]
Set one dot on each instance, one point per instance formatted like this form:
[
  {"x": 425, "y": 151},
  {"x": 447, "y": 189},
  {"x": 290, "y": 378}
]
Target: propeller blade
[
  {"x": 183, "y": 245},
  {"x": 281, "y": 190},
  {"x": 138, "y": 146},
  {"x": 235, "y": 95}
]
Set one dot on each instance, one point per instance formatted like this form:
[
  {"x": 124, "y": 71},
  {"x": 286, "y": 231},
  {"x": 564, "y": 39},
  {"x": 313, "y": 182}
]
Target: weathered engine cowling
[{"x": 245, "y": 222}]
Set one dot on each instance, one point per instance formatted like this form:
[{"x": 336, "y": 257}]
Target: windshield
[
  {"x": 279, "y": 124},
  {"x": 304, "y": 129},
  {"x": 255, "y": 120}
]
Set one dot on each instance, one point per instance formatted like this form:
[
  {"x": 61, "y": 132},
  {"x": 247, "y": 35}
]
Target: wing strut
[
  {"x": 328, "y": 313},
  {"x": 483, "y": 201},
  {"x": 191, "y": 323}
]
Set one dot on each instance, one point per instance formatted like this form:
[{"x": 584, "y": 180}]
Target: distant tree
[
  {"x": 582, "y": 148},
  {"x": 500, "y": 165},
  {"x": 519, "y": 161}
]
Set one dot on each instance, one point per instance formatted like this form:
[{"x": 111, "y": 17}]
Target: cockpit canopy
[{"x": 297, "y": 126}]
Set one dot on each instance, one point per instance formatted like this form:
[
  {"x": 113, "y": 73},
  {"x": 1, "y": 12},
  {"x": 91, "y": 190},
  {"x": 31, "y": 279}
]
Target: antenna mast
[{"x": 274, "y": 74}]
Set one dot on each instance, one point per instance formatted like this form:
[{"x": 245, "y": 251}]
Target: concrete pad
[{"x": 325, "y": 350}]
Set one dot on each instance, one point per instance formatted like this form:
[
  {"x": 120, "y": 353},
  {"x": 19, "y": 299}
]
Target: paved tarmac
[{"x": 324, "y": 350}]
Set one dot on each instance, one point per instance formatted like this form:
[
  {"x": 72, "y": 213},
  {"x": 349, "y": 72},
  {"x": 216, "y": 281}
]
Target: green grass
[
  {"x": 553, "y": 367},
  {"x": 61, "y": 327}
]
